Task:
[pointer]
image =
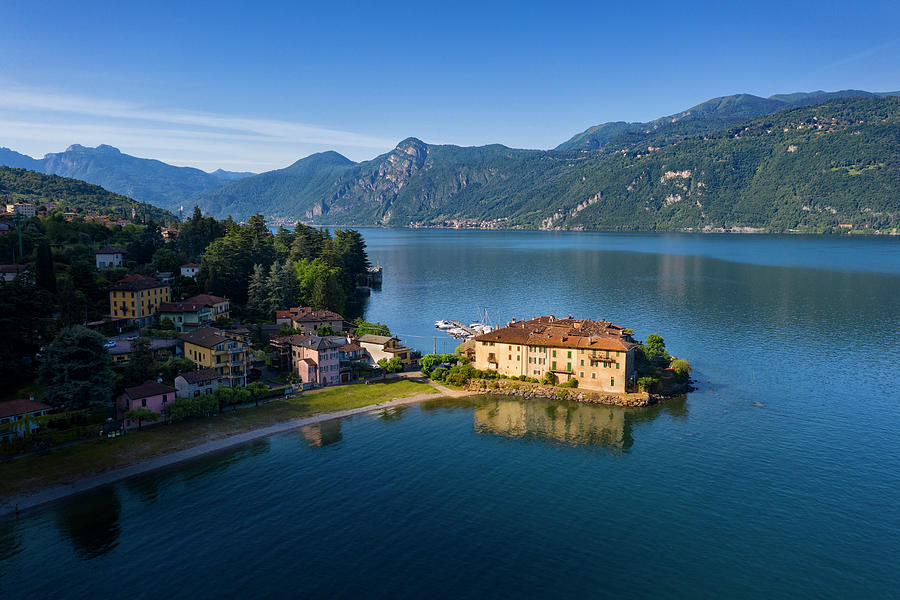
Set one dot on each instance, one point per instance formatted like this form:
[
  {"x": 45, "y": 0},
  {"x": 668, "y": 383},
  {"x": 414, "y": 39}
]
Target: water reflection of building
[
  {"x": 322, "y": 434},
  {"x": 565, "y": 422},
  {"x": 91, "y": 522}
]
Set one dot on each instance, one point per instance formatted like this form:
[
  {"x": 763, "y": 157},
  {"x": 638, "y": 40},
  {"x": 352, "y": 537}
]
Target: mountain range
[
  {"x": 143, "y": 179},
  {"x": 814, "y": 161}
]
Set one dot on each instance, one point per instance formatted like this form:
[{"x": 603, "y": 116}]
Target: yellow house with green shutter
[
  {"x": 597, "y": 353},
  {"x": 138, "y": 298},
  {"x": 226, "y": 352}
]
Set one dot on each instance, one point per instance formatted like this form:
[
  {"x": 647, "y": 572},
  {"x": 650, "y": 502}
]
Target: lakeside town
[{"x": 150, "y": 340}]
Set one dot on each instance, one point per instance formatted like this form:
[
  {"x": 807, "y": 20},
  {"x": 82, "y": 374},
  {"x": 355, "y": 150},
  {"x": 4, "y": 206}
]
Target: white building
[
  {"x": 189, "y": 270},
  {"x": 20, "y": 208},
  {"x": 110, "y": 257}
]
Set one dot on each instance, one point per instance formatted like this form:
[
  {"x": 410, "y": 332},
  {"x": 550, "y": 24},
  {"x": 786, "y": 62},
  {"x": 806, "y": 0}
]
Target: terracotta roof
[
  {"x": 12, "y": 268},
  {"x": 190, "y": 264},
  {"x": 205, "y": 336},
  {"x": 110, "y": 250},
  {"x": 22, "y": 406},
  {"x": 351, "y": 347},
  {"x": 562, "y": 333},
  {"x": 305, "y": 314},
  {"x": 180, "y": 307},
  {"x": 138, "y": 282},
  {"x": 194, "y": 377},
  {"x": 207, "y": 299},
  {"x": 147, "y": 389},
  {"x": 310, "y": 361}
]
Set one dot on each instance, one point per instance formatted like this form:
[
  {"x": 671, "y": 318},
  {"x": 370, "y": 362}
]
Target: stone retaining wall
[{"x": 525, "y": 389}]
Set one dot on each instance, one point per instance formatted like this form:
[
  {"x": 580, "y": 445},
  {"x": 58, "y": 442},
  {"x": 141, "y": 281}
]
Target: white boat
[{"x": 443, "y": 324}]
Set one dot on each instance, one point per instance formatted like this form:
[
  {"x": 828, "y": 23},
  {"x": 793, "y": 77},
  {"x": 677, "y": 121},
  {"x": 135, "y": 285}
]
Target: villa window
[
  {"x": 593, "y": 376},
  {"x": 143, "y": 402},
  {"x": 581, "y": 374},
  {"x": 554, "y": 354},
  {"x": 570, "y": 354},
  {"x": 612, "y": 382}
]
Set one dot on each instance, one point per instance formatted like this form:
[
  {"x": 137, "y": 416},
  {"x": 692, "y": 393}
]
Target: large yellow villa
[
  {"x": 597, "y": 353},
  {"x": 138, "y": 298}
]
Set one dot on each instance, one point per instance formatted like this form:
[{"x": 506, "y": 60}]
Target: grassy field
[{"x": 70, "y": 463}]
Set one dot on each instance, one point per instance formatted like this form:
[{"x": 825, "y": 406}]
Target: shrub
[
  {"x": 549, "y": 378},
  {"x": 571, "y": 383},
  {"x": 438, "y": 374},
  {"x": 682, "y": 370},
  {"x": 647, "y": 384},
  {"x": 562, "y": 394}
]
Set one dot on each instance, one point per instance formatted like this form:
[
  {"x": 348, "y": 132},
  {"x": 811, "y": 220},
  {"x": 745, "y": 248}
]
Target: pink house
[
  {"x": 150, "y": 395},
  {"x": 317, "y": 360}
]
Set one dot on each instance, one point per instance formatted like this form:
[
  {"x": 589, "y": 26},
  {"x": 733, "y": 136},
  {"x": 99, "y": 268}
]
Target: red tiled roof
[
  {"x": 179, "y": 307},
  {"x": 305, "y": 314},
  {"x": 207, "y": 299},
  {"x": 22, "y": 406},
  {"x": 561, "y": 333},
  {"x": 110, "y": 250},
  {"x": 190, "y": 264},
  {"x": 147, "y": 389},
  {"x": 138, "y": 282},
  {"x": 207, "y": 337}
]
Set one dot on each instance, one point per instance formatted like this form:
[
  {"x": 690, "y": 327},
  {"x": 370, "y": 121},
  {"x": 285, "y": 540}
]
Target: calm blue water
[{"x": 779, "y": 477}]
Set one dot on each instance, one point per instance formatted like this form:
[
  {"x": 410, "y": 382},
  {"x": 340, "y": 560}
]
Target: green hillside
[
  {"x": 705, "y": 118},
  {"x": 143, "y": 179},
  {"x": 21, "y": 185},
  {"x": 811, "y": 168}
]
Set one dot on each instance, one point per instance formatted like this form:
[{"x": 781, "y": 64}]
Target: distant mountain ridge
[
  {"x": 813, "y": 168},
  {"x": 143, "y": 179},
  {"x": 710, "y": 167},
  {"x": 707, "y": 117}
]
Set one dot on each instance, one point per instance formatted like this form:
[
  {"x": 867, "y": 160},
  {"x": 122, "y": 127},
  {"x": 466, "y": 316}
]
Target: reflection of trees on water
[
  {"x": 393, "y": 414},
  {"x": 10, "y": 542},
  {"x": 91, "y": 522},
  {"x": 322, "y": 434},
  {"x": 146, "y": 488},
  {"x": 571, "y": 423},
  {"x": 197, "y": 469}
]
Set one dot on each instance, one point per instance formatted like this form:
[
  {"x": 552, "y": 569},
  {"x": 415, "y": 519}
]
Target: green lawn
[{"x": 70, "y": 463}]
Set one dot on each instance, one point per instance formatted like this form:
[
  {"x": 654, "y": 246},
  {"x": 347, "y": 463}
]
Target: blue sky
[{"x": 255, "y": 86}]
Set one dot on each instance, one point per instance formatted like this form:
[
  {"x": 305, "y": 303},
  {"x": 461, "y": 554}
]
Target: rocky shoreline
[{"x": 524, "y": 389}]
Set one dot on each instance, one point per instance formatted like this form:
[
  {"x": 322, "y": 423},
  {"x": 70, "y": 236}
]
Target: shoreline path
[{"x": 19, "y": 504}]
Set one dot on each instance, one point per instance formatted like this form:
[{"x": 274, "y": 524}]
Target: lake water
[{"x": 779, "y": 477}]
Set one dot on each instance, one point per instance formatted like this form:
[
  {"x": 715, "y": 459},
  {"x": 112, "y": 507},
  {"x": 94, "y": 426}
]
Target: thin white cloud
[
  {"x": 195, "y": 138},
  {"x": 860, "y": 55}
]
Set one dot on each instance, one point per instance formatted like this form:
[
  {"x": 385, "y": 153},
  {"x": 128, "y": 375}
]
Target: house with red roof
[
  {"x": 16, "y": 415},
  {"x": 190, "y": 270},
  {"x": 598, "y": 354},
  {"x": 305, "y": 319}
]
